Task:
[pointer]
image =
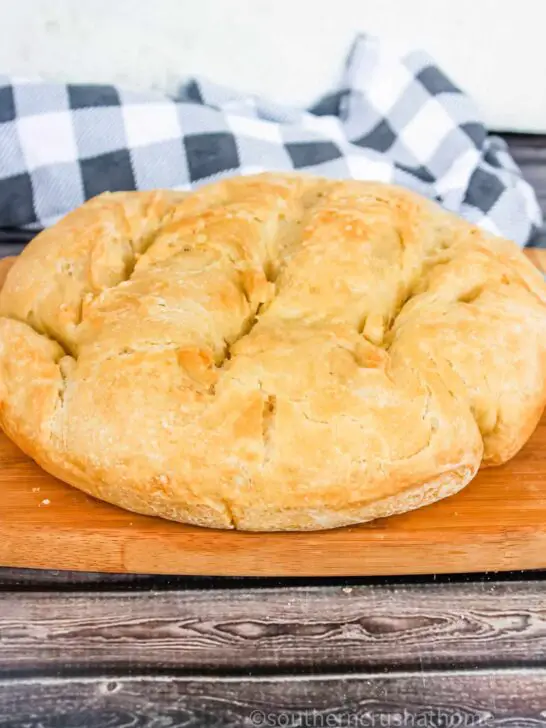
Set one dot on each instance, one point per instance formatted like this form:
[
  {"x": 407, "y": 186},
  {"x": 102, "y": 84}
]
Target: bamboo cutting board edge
[{"x": 497, "y": 523}]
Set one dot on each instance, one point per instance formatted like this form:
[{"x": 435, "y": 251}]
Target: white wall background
[{"x": 287, "y": 49}]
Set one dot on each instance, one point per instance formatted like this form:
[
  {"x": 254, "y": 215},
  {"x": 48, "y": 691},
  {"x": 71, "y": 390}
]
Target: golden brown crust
[{"x": 276, "y": 352}]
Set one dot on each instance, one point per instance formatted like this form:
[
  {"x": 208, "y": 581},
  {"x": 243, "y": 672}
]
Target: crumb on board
[
  {"x": 35, "y": 490},
  {"x": 45, "y": 502}
]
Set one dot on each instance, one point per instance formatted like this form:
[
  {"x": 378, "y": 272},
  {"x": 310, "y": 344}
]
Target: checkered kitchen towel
[{"x": 392, "y": 119}]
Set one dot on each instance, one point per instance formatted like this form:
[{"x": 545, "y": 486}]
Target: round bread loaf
[{"x": 277, "y": 352}]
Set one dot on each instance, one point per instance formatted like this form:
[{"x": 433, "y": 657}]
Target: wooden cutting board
[{"x": 497, "y": 523}]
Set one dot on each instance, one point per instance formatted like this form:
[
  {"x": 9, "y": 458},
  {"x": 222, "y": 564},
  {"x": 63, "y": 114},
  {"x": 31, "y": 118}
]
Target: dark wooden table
[{"x": 92, "y": 650}]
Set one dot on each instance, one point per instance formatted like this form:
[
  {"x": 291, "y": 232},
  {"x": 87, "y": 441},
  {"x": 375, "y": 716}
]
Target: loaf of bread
[{"x": 276, "y": 352}]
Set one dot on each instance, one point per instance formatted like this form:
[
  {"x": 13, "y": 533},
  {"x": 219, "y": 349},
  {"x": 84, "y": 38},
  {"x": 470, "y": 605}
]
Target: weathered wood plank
[
  {"x": 403, "y": 627},
  {"x": 513, "y": 698}
]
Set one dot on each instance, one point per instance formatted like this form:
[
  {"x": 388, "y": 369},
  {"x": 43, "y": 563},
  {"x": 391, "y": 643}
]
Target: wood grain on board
[
  {"x": 366, "y": 628},
  {"x": 515, "y": 698}
]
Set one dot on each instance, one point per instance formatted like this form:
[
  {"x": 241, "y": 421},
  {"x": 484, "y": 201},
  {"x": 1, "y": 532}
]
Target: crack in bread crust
[{"x": 275, "y": 352}]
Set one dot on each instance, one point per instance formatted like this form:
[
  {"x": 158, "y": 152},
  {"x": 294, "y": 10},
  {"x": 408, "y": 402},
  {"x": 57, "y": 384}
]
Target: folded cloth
[{"x": 392, "y": 119}]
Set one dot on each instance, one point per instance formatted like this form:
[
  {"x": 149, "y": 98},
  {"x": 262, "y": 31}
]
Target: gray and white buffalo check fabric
[{"x": 392, "y": 119}]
